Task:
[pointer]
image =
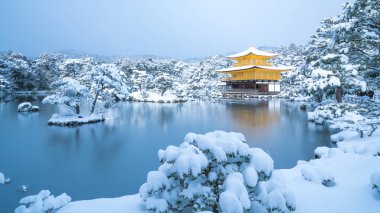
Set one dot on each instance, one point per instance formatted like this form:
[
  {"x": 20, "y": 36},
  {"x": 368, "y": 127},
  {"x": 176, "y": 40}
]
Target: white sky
[{"x": 175, "y": 28}]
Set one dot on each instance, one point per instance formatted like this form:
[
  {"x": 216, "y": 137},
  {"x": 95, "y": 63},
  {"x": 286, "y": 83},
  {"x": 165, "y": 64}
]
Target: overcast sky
[{"x": 175, "y": 28}]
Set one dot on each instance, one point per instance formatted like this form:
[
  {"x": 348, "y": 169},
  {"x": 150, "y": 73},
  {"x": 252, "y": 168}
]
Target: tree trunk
[
  {"x": 94, "y": 102},
  {"x": 319, "y": 97},
  {"x": 215, "y": 208},
  {"x": 77, "y": 108},
  {"x": 339, "y": 94}
]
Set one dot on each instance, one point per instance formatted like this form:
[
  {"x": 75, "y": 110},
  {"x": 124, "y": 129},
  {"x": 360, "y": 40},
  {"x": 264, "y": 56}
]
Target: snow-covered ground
[
  {"x": 129, "y": 203},
  {"x": 75, "y": 119},
  {"x": 343, "y": 179},
  {"x": 154, "y": 97},
  {"x": 351, "y": 188}
]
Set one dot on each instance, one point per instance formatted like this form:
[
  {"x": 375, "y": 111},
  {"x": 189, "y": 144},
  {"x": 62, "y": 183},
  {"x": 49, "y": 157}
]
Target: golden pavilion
[{"x": 252, "y": 73}]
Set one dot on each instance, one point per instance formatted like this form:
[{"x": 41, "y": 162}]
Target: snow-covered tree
[
  {"x": 106, "y": 82},
  {"x": 215, "y": 172},
  {"x": 361, "y": 35},
  {"x": 139, "y": 79},
  {"x": 163, "y": 82},
  {"x": 5, "y": 86},
  {"x": 16, "y": 68},
  {"x": 75, "y": 68},
  {"x": 46, "y": 69},
  {"x": 69, "y": 92}
]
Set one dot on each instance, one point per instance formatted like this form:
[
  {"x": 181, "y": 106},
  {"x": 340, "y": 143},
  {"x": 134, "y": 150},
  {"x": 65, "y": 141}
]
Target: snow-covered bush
[
  {"x": 318, "y": 174},
  {"x": 43, "y": 202},
  {"x": 375, "y": 181},
  {"x": 216, "y": 171}
]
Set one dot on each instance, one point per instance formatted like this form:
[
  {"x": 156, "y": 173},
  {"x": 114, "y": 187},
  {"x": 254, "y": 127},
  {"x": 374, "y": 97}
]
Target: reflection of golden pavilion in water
[
  {"x": 252, "y": 73},
  {"x": 260, "y": 115}
]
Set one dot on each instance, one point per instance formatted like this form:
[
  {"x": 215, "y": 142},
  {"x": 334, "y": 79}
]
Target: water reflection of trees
[
  {"x": 254, "y": 114},
  {"x": 144, "y": 115}
]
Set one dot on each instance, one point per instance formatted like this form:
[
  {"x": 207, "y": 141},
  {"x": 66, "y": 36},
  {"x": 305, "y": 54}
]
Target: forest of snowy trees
[{"x": 197, "y": 79}]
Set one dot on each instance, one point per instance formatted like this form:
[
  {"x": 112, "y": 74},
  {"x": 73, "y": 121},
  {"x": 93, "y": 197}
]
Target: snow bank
[
  {"x": 154, "y": 97},
  {"x": 42, "y": 202},
  {"x": 352, "y": 191},
  {"x": 75, "y": 119},
  {"x": 368, "y": 145},
  {"x": 129, "y": 203},
  {"x": 27, "y": 107}
]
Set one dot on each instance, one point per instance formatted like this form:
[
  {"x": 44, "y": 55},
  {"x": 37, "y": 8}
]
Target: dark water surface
[{"x": 112, "y": 159}]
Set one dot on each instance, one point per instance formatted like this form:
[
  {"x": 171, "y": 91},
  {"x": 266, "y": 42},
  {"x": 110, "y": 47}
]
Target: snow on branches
[{"x": 69, "y": 92}]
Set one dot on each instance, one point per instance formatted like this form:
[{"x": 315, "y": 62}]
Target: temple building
[{"x": 252, "y": 73}]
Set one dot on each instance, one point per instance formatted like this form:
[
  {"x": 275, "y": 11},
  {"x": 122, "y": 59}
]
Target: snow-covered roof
[
  {"x": 253, "y": 51},
  {"x": 282, "y": 68}
]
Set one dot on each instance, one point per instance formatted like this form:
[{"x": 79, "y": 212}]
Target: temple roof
[
  {"x": 253, "y": 51},
  {"x": 282, "y": 68}
]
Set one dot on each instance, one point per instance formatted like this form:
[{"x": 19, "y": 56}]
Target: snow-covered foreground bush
[
  {"x": 216, "y": 171},
  {"x": 42, "y": 202}
]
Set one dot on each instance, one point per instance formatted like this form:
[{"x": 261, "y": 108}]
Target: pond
[{"x": 112, "y": 158}]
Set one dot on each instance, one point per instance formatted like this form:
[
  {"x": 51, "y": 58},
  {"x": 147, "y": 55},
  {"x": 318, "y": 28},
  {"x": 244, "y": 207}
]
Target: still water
[{"x": 112, "y": 158}]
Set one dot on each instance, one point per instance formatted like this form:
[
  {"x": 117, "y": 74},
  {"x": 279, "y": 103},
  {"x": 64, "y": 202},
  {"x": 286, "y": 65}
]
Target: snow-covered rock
[
  {"x": 75, "y": 119},
  {"x": 321, "y": 151},
  {"x": 3, "y": 179},
  {"x": 27, "y": 107},
  {"x": 42, "y": 202}
]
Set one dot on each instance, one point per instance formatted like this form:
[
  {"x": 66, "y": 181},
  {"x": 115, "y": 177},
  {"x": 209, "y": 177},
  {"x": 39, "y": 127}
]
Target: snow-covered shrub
[
  {"x": 317, "y": 174},
  {"x": 43, "y": 202},
  {"x": 375, "y": 181},
  {"x": 273, "y": 194},
  {"x": 215, "y": 172}
]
